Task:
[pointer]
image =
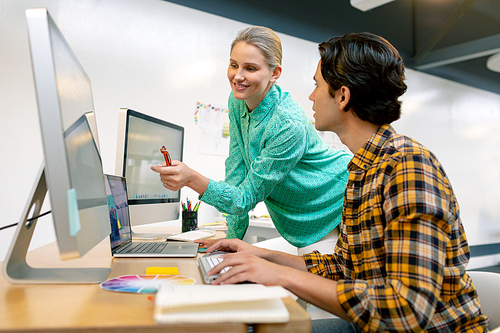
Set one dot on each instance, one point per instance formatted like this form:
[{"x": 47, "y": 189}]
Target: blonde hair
[{"x": 266, "y": 40}]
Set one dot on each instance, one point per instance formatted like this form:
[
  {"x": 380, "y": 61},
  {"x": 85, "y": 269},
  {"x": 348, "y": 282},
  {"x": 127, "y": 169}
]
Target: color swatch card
[{"x": 144, "y": 283}]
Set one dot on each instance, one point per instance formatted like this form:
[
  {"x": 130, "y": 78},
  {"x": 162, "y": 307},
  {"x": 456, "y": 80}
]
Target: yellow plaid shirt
[{"x": 402, "y": 251}]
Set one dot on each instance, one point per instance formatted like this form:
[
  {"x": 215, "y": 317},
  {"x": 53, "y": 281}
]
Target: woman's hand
[
  {"x": 173, "y": 177},
  {"x": 178, "y": 175}
]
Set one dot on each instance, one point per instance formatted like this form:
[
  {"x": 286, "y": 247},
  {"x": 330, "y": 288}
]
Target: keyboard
[
  {"x": 207, "y": 262},
  {"x": 190, "y": 236},
  {"x": 142, "y": 247}
]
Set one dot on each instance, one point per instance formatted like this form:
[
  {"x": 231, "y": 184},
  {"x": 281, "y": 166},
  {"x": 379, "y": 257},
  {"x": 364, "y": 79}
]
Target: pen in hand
[{"x": 165, "y": 153}]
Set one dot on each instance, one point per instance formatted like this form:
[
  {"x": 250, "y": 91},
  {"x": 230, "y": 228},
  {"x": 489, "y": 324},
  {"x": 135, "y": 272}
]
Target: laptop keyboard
[{"x": 143, "y": 247}]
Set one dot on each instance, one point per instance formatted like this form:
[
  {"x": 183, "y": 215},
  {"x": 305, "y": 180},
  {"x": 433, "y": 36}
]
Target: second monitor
[{"x": 140, "y": 138}]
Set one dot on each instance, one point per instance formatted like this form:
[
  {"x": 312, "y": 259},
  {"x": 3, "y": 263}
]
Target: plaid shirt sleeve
[{"x": 323, "y": 265}]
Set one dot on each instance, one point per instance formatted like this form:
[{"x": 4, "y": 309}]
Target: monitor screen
[
  {"x": 145, "y": 136},
  {"x": 116, "y": 193},
  {"x": 140, "y": 138},
  {"x": 84, "y": 165}
]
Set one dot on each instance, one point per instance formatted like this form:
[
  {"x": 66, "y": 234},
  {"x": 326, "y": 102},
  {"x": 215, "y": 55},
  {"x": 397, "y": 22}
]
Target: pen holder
[{"x": 189, "y": 221}]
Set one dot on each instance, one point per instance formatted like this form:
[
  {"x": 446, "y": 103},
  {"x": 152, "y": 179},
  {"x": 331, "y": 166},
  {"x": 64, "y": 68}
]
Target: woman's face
[{"x": 249, "y": 74}]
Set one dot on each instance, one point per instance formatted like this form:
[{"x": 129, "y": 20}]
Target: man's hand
[
  {"x": 236, "y": 245},
  {"x": 207, "y": 242},
  {"x": 252, "y": 264},
  {"x": 246, "y": 267}
]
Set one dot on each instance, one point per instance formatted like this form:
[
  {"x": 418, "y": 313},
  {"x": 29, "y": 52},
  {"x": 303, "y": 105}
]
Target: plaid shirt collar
[{"x": 367, "y": 154}]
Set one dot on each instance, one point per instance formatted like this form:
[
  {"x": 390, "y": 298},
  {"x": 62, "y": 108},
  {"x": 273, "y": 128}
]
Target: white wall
[
  {"x": 461, "y": 125},
  {"x": 160, "y": 58}
]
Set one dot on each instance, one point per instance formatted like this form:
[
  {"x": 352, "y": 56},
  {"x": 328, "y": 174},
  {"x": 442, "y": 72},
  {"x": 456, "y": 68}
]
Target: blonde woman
[{"x": 275, "y": 156}]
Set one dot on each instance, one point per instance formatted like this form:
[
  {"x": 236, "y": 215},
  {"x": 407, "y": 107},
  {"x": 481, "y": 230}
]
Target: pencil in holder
[{"x": 189, "y": 221}]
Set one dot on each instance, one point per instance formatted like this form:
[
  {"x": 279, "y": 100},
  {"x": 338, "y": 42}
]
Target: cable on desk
[{"x": 28, "y": 220}]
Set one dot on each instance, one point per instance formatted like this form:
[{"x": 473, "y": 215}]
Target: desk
[{"x": 83, "y": 308}]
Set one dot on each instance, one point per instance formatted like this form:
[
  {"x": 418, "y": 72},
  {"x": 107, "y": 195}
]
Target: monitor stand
[{"x": 15, "y": 268}]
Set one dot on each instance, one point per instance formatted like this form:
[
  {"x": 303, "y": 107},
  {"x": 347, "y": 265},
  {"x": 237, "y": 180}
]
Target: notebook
[
  {"x": 121, "y": 234},
  {"x": 246, "y": 303}
]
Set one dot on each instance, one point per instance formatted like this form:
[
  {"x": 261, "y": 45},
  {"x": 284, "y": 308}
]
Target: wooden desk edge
[{"x": 299, "y": 323}]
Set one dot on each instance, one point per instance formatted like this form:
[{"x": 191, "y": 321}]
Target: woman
[{"x": 275, "y": 155}]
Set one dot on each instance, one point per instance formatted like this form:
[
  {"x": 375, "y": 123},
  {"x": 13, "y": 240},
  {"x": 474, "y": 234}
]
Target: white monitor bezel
[{"x": 155, "y": 210}]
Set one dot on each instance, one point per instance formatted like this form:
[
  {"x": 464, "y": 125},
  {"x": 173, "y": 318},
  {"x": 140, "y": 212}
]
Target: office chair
[{"x": 488, "y": 288}]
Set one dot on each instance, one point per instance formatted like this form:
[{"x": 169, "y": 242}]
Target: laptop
[{"x": 122, "y": 244}]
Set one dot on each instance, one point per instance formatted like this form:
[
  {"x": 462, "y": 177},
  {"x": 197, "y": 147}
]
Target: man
[{"x": 399, "y": 264}]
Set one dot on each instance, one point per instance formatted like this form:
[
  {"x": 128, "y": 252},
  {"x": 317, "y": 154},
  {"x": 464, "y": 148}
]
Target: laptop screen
[{"x": 116, "y": 193}]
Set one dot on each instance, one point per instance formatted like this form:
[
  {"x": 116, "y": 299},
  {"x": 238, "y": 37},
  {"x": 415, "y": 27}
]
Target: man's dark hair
[{"x": 372, "y": 70}]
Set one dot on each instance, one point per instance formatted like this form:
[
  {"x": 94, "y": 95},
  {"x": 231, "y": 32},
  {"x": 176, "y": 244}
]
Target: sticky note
[
  {"x": 162, "y": 271},
  {"x": 74, "y": 216}
]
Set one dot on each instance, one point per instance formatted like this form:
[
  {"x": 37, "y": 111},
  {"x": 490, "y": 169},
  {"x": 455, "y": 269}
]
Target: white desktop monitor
[
  {"x": 72, "y": 169},
  {"x": 140, "y": 138}
]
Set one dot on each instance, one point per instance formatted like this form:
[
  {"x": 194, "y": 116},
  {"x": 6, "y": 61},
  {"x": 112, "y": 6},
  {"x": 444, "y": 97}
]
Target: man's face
[{"x": 326, "y": 108}]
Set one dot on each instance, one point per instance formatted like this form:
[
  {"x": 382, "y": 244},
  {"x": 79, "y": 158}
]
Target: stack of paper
[
  {"x": 218, "y": 225},
  {"x": 247, "y": 303}
]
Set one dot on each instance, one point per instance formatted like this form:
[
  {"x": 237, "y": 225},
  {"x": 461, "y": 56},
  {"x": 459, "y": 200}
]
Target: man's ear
[
  {"x": 276, "y": 74},
  {"x": 344, "y": 98}
]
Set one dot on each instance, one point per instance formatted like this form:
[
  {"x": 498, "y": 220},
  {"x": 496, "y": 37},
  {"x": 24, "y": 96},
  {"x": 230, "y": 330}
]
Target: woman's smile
[{"x": 240, "y": 86}]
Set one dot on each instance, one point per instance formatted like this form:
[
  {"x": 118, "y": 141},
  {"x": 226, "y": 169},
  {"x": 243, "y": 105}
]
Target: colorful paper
[{"x": 144, "y": 283}]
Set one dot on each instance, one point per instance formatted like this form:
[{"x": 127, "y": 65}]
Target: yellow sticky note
[{"x": 162, "y": 271}]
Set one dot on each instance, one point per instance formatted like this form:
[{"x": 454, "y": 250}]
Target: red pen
[{"x": 165, "y": 153}]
